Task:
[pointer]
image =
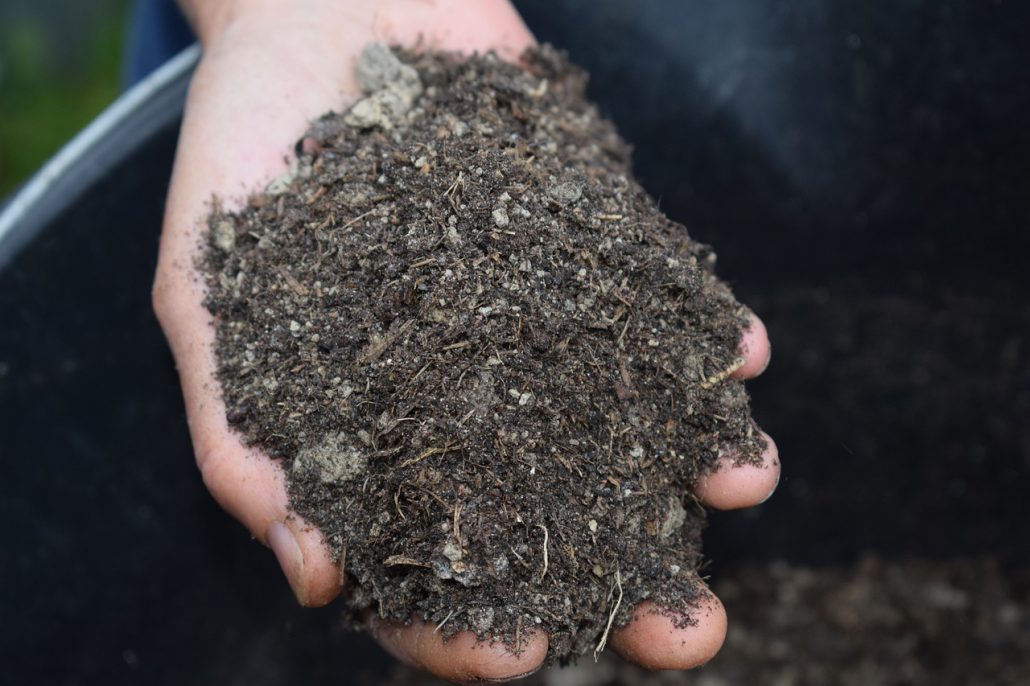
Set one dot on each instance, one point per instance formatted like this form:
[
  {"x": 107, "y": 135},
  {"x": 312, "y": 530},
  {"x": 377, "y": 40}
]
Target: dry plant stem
[{"x": 611, "y": 616}]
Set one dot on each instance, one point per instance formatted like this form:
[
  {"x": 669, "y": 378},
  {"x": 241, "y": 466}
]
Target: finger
[
  {"x": 244, "y": 481},
  {"x": 653, "y": 640},
  {"x": 462, "y": 657},
  {"x": 731, "y": 486},
  {"x": 754, "y": 345},
  {"x": 471, "y": 27},
  {"x": 252, "y": 488},
  {"x": 316, "y": 579}
]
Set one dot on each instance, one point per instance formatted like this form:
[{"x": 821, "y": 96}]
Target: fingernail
[
  {"x": 291, "y": 559},
  {"x": 773, "y": 490},
  {"x": 768, "y": 361},
  {"x": 506, "y": 679}
]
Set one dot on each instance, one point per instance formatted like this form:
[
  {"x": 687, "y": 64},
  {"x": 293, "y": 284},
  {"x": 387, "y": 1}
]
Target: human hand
[{"x": 269, "y": 68}]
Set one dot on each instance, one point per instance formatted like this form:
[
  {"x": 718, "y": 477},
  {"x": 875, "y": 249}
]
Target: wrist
[
  {"x": 210, "y": 19},
  {"x": 206, "y": 17},
  {"x": 400, "y": 21}
]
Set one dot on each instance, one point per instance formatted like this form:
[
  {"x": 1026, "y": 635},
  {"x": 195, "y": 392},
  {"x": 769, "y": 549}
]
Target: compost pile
[{"x": 492, "y": 368}]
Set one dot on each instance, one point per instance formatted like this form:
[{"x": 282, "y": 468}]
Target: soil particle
[{"x": 492, "y": 368}]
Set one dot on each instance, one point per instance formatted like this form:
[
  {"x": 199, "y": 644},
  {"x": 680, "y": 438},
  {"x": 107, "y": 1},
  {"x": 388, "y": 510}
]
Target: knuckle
[
  {"x": 160, "y": 298},
  {"x": 215, "y": 470}
]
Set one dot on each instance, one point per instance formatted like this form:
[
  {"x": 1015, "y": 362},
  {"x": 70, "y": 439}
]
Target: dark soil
[
  {"x": 492, "y": 367},
  {"x": 909, "y": 622}
]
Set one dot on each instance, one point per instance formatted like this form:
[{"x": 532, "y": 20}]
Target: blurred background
[
  {"x": 60, "y": 65},
  {"x": 862, "y": 169}
]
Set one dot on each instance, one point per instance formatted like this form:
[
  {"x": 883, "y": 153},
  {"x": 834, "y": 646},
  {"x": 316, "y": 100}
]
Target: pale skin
[{"x": 269, "y": 67}]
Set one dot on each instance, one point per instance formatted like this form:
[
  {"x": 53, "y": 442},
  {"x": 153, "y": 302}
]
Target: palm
[{"x": 254, "y": 94}]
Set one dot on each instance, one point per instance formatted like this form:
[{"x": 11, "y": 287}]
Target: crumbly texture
[
  {"x": 491, "y": 367},
  {"x": 890, "y": 622}
]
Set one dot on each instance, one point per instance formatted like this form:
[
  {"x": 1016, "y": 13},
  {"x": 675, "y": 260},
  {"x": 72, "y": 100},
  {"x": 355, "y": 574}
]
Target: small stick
[
  {"x": 546, "y": 537},
  {"x": 395, "y": 560},
  {"x": 422, "y": 263},
  {"x": 426, "y": 453},
  {"x": 316, "y": 195},
  {"x": 611, "y": 617},
  {"x": 724, "y": 374},
  {"x": 457, "y": 525},
  {"x": 376, "y": 350},
  {"x": 445, "y": 620},
  {"x": 356, "y": 219}
]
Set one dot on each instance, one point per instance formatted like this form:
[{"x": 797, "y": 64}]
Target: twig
[
  {"x": 611, "y": 617},
  {"x": 457, "y": 525},
  {"x": 546, "y": 537},
  {"x": 426, "y": 453},
  {"x": 376, "y": 350},
  {"x": 445, "y": 620},
  {"x": 724, "y": 374},
  {"x": 356, "y": 219},
  {"x": 403, "y": 560}
]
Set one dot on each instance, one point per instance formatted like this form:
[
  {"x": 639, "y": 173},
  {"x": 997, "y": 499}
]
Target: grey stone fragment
[
  {"x": 391, "y": 85},
  {"x": 225, "y": 236},
  {"x": 566, "y": 192}
]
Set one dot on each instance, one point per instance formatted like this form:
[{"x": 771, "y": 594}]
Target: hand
[{"x": 269, "y": 68}]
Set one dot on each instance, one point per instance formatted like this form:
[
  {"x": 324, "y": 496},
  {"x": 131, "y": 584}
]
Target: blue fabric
[{"x": 157, "y": 32}]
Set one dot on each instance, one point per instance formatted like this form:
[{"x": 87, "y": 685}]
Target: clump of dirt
[{"x": 492, "y": 368}]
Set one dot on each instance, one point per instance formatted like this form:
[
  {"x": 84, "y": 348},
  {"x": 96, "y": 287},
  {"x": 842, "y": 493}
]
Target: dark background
[{"x": 862, "y": 170}]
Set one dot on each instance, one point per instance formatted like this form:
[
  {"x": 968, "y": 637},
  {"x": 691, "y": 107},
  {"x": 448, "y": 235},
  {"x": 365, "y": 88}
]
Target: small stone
[
  {"x": 501, "y": 217},
  {"x": 225, "y": 236},
  {"x": 379, "y": 68},
  {"x": 459, "y": 128},
  {"x": 566, "y": 193},
  {"x": 452, "y": 551},
  {"x": 393, "y": 87}
]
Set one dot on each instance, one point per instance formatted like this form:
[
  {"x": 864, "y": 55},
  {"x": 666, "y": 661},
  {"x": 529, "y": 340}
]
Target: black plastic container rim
[{"x": 139, "y": 113}]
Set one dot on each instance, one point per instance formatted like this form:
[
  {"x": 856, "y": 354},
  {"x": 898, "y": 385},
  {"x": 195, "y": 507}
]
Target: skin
[{"x": 269, "y": 68}]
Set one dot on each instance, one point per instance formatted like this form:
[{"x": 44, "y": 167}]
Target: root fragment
[
  {"x": 611, "y": 617},
  {"x": 721, "y": 376},
  {"x": 546, "y": 537}
]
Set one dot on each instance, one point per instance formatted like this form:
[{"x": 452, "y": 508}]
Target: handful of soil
[{"x": 492, "y": 368}]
